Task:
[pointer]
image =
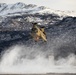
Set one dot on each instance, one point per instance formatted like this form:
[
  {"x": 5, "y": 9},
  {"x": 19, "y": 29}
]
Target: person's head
[{"x": 34, "y": 24}]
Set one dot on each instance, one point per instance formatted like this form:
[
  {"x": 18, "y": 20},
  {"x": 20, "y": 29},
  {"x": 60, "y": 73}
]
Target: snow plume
[{"x": 36, "y": 59}]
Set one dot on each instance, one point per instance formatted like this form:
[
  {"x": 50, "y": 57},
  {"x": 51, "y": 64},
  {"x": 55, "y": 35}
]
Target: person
[{"x": 38, "y": 32}]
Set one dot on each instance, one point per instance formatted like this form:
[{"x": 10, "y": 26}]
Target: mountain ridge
[{"x": 22, "y": 8}]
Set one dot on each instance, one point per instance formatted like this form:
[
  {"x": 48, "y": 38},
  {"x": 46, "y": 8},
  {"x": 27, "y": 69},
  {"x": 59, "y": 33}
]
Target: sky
[{"x": 53, "y": 4}]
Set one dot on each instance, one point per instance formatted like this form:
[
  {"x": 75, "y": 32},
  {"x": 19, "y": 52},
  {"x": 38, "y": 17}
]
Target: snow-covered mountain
[
  {"x": 18, "y": 16},
  {"x": 21, "y": 8}
]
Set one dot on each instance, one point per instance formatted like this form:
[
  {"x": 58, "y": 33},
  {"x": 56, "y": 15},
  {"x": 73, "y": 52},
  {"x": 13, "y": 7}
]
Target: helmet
[{"x": 34, "y": 23}]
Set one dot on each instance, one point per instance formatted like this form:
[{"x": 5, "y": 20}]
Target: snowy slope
[
  {"x": 21, "y": 8},
  {"x": 19, "y": 51}
]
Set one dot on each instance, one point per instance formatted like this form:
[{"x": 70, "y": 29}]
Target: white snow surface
[{"x": 21, "y": 8}]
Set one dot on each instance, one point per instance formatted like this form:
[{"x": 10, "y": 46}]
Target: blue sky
[{"x": 53, "y": 4}]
